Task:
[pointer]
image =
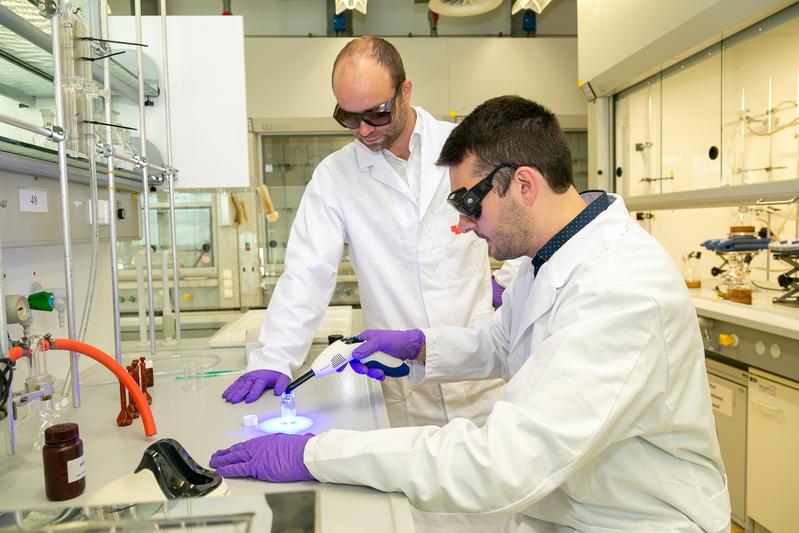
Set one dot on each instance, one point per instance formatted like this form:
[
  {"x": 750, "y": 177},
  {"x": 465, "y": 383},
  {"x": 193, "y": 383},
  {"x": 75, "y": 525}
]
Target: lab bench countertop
[
  {"x": 203, "y": 423},
  {"x": 761, "y": 315}
]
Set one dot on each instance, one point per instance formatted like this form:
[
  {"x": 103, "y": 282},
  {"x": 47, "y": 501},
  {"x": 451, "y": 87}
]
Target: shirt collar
[
  {"x": 413, "y": 143},
  {"x": 597, "y": 202}
]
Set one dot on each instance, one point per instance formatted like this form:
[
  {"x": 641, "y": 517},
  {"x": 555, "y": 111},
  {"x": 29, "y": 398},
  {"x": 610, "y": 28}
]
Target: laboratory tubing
[
  {"x": 103, "y": 358},
  {"x": 288, "y": 405},
  {"x": 64, "y": 468}
]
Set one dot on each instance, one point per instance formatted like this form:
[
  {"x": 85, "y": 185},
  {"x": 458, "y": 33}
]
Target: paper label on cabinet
[
  {"x": 33, "y": 201},
  {"x": 76, "y": 470},
  {"x": 721, "y": 398},
  {"x": 767, "y": 388}
]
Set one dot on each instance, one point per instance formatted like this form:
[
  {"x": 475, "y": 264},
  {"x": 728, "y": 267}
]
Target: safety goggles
[
  {"x": 377, "y": 116},
  {"x": 467, "y": 201}
]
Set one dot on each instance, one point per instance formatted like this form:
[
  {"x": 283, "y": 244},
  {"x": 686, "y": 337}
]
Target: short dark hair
[
  {"x": 382, "y": 51},
  {"x": 512, "y": 129}
]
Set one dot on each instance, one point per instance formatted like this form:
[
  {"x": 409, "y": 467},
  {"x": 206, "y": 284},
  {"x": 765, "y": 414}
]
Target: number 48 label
[{"x": 32, "y": 201}]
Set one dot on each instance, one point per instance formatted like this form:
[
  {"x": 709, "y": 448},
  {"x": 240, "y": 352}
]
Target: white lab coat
[
  {"x": 605, "y": 424},
  {"x": 413, "y": 271}
]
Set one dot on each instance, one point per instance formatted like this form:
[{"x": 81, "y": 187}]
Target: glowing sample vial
[
  {"x": 288, "y": 407},
  {"x": 288, "y": 421}
]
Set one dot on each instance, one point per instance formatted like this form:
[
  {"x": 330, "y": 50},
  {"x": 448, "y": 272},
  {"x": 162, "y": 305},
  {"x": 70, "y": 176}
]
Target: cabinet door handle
[
  {"x": 763, "y": 201},
  {"x": 767, "y": 407}
]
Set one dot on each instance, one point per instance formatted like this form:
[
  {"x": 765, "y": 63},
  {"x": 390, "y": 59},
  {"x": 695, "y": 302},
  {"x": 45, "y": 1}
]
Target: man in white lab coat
[
  {"x": 385, "y": 196},
  {"x": 605, "y": 424}
]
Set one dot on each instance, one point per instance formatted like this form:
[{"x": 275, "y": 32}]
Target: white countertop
[
  {"x": 762, "y": 315},
  {"x": 337, "y": 320},
  {"x": 203, "y": 423}
]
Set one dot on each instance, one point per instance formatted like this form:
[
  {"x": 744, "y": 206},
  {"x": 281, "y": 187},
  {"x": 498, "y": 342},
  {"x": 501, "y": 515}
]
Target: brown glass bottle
[{"x": 64, "y": 469}]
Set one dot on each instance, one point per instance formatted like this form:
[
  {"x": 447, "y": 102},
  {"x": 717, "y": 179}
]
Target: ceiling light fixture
[
  {"x": 462, "y": 8},
  {"x": 357, "y": 5},
  {"x": 536, "y": 5}
]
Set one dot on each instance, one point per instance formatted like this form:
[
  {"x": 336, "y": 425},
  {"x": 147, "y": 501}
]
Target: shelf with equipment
[
  {"x": 24, "y": 158},
  {"x": 717, "y": 129}
]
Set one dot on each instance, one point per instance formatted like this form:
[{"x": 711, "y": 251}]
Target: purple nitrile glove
[
  {"x": 405, "y": 345},
  {"x": 250, "y": 386},
  {"x": 276, "y": 458},
  {"x": 497, "y": 290}
]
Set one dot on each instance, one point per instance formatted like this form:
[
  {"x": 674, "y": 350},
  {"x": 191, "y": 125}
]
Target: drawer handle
[{"x": 767, "y": 407}]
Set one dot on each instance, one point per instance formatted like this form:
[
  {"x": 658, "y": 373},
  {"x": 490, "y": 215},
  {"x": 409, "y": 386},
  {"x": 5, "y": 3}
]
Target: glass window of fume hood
[
  {"x": 726, "y": 116},
  {"x": 193, "y": 227},
  {"x": 287, "y": 164}
]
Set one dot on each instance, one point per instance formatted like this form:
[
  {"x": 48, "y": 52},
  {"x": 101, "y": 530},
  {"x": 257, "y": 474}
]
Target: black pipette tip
[{"x": 300, "y": 380}]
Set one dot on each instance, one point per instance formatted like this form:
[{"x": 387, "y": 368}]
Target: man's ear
[
  {"x": 407, "y": 90},
  {"x": 527, "y": 181}
]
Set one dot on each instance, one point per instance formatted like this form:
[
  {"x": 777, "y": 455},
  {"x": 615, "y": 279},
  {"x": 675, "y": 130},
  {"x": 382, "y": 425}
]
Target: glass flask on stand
[{"x": 735, "y": 285}]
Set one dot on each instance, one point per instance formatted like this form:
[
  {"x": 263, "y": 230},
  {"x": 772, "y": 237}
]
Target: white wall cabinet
[
  {"x": 718, "y": 128},
  {"x": 207, "y": 96},
  {"x": 772, "y": 445}
]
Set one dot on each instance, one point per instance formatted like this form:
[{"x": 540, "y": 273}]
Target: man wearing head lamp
[
  {"x": 384, "y": 196},
  {"x": 605, "y": 424}
]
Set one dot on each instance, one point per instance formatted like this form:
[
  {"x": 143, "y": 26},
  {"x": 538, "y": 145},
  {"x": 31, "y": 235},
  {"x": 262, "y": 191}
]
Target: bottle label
[{"x": 76, "y": 470}]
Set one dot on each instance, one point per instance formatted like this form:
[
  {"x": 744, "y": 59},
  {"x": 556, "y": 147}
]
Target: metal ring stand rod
[
  {"x": 145, "y": 180},
  {"x": 112, "y": 191},
  {"x": 171, "y": 176},
  {"x": 63, "y": 179}
]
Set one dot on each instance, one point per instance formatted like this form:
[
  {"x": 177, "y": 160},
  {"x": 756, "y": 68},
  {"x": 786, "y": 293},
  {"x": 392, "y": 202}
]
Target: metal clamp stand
[{"x": 789, "y": 280}]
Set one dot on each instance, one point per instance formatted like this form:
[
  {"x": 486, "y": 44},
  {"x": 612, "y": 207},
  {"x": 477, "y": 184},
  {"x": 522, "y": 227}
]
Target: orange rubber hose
[
  {"x": 15, "y": 353},
  {"x": 104, "y": 359}
]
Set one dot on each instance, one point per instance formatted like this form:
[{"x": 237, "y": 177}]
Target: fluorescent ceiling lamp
[
  {"x": 462, "y": 8},
  {"x": 536, "y": 5},
  {"x": 343, "y": 5}
]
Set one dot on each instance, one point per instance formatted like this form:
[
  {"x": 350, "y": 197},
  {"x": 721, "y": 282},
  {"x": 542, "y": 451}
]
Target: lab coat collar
[
  {"x": 432, "y": 138},
  {"x": 554, "y": 274},
  {"x": 591, "y": 239}
]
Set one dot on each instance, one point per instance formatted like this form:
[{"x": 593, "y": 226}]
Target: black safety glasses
[
  {"x": 377, "y": 116},
  {"x": 467, "y": 201}
]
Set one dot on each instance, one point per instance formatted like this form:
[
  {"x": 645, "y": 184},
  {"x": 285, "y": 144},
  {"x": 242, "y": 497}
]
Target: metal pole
[
  {"x": 112, "y": 191},
  {"x": 12, "y": 429},
  {"x": 140, "y": 161},
  {"x": 64, "y": 186},
  {"x": 171, "y": 176},
  {"x": 33, "y": 128},
  {"x": 146, "y": 179}
]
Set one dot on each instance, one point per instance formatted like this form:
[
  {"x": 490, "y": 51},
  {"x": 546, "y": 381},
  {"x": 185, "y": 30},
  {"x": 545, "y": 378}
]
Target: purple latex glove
[
  {"x": 405, "y": 345},
  {"x": 276, "y": 458},
  {"x": 497, "y": 290},
  {"x": 250, "y": 386}
]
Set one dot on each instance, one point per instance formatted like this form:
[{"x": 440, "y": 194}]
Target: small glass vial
[
  {"x": 690, "y": 270},
  {"x": 64, "y": 468},
  {"x": 288, "y": 407}
]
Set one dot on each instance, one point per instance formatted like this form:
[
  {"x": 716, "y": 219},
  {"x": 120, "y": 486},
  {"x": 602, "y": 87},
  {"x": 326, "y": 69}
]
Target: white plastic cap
[{"x": 249, "y": 420}]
